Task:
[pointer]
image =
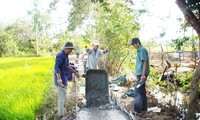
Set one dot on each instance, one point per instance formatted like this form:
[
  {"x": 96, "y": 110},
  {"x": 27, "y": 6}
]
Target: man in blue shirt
[
  {"x": 141, "y": 72},
  {"x": 60, "y": 76}
]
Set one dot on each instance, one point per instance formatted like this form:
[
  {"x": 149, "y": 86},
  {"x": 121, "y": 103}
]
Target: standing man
[
  {"x": 141, "y": 72},
  {"x": 77, "y": 52},
  {"x": 60, "y": 76},
  {"x": 93, "y": 56},
  {"x": 84, "y": 58}
]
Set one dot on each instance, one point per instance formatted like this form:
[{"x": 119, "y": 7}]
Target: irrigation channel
[{"x": 97, "y": 104}]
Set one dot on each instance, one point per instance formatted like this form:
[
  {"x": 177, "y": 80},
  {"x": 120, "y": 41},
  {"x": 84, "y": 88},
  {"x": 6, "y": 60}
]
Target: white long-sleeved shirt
[{"x": 93, "y": 57}]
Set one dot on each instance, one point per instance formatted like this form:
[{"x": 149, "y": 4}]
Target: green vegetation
[
  {"x": 117, "y": 24},
  {"x": 24, "y": 81},
  {"x": 183, "y": 80}
]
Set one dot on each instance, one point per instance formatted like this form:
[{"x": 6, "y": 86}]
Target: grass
[{"x": 24, "y": 82}]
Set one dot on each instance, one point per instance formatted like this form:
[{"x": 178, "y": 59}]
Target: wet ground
[
  {"x": 96, "y": 114},
  {"x": 108, "y": 110},
  {"x": 168, "y": 112}
]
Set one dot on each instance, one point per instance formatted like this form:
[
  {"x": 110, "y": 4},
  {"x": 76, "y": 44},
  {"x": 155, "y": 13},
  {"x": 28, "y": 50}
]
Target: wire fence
[{"x": 182, "y": 57}]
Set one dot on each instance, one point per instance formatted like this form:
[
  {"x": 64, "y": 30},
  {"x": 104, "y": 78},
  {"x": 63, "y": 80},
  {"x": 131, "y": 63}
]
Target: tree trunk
[
  {"x": 195, "y": 23},
  {"x": 189, "y": 16},
  {"x": 193, "y": 95}
]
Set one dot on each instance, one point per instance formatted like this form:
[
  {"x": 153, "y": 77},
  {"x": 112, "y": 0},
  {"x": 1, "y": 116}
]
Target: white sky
[
  {"x": 151, "y": 24},
  {"x": 13, "y": 9}
]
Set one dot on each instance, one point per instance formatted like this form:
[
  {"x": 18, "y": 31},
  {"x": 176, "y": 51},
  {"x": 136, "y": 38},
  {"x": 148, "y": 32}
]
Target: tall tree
[
  {"x": 7, "y": 44},
  {"x": 22, "y": 35},
  {"x": 16, "y": 38},
  {"x": 79, "y": 12},
  {"x": 41, "y": 22},
  {"x": 191, "y": 12},
  {"x": 115, "y": 25}
]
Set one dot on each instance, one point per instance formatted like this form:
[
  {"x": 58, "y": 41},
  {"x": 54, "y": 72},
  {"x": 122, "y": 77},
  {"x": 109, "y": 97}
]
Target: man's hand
[
  {"x": 77, "y": 75},
  {"x": 59, "y": 81},
  {"x": 73, "y": 71},
  {"x": 143, "y": 77}
]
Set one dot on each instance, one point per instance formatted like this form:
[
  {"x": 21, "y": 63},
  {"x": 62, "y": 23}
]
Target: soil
[
  {"x": 49, "y": 109},
  {"x": 167, "y": 113}
]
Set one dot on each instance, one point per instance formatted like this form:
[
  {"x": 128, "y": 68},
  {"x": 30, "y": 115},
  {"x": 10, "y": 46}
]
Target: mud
[
  {"x": 97, "y": 88},
  {"x": 98, "y": 105},
  {"x": 97, "y": 114}
]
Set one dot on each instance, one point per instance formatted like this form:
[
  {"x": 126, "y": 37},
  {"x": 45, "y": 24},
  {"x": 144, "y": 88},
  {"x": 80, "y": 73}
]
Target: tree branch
[
  {"x": 195, "y": 23},
  {"x": 189, "y": 15}
]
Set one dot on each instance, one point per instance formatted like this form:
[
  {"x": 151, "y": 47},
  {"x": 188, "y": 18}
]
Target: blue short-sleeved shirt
[
  {"x": 142, "y": 54},
  {"x": 61, "y": 66}
]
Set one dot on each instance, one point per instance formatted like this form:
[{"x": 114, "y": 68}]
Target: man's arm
[
  {"x": 143, "y": 77},
  {"x": 73, "y": 71},
  {"x": 59, "y": 81},
  {"x": 144, "y": 57},
  {"x": 57, "y": 69}
]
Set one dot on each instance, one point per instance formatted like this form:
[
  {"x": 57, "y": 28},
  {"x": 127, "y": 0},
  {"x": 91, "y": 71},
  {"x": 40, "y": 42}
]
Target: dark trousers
[
  {"x": 84, "y": 64},
  {"x": 140, "y": 100}
]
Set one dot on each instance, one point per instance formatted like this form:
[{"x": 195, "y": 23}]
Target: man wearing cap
[
  {"x": 84, "y": 58},
  {"x": 93, "y": 56},
  {"x": 141, "y": 72},
  {"x": 60, "y": 76}
]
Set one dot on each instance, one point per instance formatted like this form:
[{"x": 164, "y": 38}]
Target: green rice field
[{"x": 23, "y": 85}]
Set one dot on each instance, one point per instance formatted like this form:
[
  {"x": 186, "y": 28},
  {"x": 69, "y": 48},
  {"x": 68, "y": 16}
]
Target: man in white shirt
[{"x": 93, "y": 56}]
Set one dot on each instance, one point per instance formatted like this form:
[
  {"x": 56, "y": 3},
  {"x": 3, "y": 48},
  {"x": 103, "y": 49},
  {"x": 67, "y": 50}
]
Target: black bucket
[{"x": 96, "y": 88}]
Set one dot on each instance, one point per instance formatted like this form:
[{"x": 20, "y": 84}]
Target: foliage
[
  {"x": 154, "y": 77},
  {"x": 7, "y": 44},
  {"x": 178, "y": 43},
  {"x": 112, "y": 23},
  {"x": 41, "y": 26},
  {"x": 194, "y": 5},
  {"x": 40, "y": 21},
  {"x": 48, "y": 109},
  {"x": 78, "y": 13},
  {"x": 95, "y": 1},
  {"x": 24, "y": 82},
  {"x": 17, "y": 39},
  {"x": 62, "y": 38},
  {"x": 116, "y": 23},
  {"x": 185, "y": 80},
  {"x": 23, "y": 38}
]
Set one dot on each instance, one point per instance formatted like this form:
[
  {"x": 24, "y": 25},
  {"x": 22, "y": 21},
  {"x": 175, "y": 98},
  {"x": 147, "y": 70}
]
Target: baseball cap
[{"x": 134, "y": 41}]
